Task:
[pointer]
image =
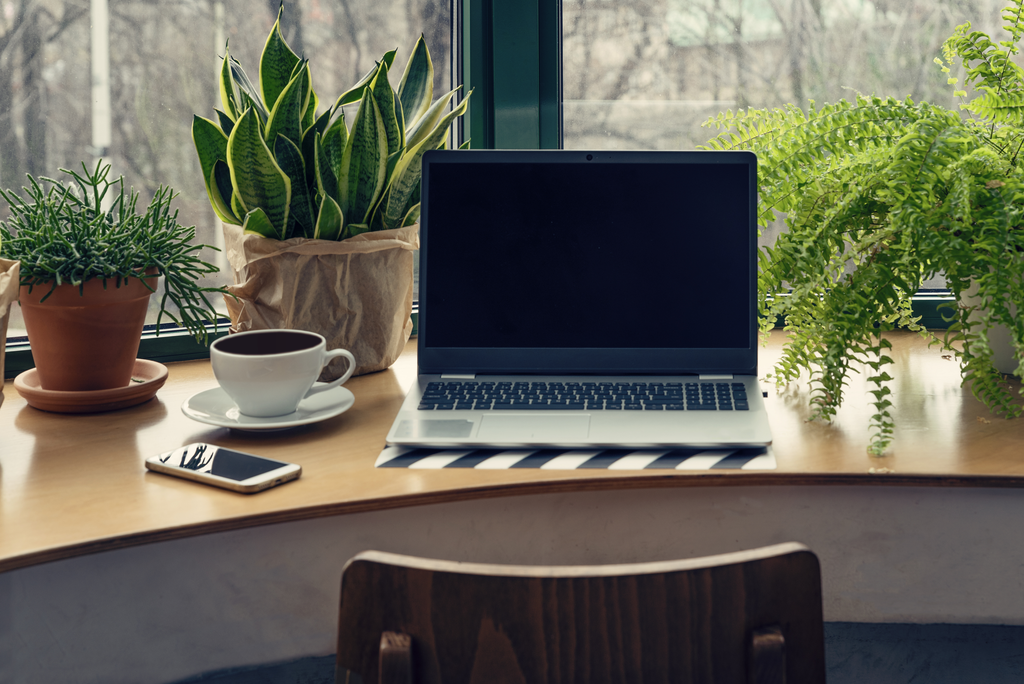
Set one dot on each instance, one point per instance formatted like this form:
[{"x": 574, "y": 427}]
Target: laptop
[{"x": 580, "y": 299}]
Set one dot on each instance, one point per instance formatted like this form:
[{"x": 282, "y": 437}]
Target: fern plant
[
  {"x": 879, "y": 195},
  {"x": 279, "y": 169}
]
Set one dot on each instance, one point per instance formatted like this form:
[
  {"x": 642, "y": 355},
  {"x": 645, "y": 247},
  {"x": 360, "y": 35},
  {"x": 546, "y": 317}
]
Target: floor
[{"x": 855, "y": 653}]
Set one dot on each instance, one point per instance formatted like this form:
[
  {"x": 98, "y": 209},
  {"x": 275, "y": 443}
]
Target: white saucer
[{"x": 215, "y": 407}]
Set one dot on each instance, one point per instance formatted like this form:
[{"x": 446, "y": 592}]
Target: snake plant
[
  {"x": 881, "y": 194},
  {"x": 279, "y": 169}
]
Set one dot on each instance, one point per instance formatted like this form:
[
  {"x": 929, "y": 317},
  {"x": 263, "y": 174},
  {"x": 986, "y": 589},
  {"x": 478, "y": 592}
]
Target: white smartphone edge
[{"x": 258, "y": 483}]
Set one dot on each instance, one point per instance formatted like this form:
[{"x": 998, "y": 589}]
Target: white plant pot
[
  {"x": 8, "y": 294},
  {"x": 999, "y": 339}
]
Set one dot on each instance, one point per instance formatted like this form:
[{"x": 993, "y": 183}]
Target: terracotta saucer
[{"x": 147, "y": 378}]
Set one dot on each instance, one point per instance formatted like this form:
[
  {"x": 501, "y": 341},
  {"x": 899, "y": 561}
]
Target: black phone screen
[{"x": 226, "y": 463}]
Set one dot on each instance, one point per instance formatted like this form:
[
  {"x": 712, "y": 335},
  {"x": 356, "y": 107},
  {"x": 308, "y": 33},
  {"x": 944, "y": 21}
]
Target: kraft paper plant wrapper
[
  {"x": 8, "y": 294},
  {"x": 357, "y": 293}
]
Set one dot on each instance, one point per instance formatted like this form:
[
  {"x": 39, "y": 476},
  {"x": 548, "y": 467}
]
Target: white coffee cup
[{"x": 268, "y": 372}]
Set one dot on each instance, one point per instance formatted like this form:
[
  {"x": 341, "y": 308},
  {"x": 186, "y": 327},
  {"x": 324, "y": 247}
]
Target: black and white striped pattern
[{"x": 759, "y": 458}]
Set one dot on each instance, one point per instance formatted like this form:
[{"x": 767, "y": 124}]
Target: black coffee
[{"x": 270, "y": 342}]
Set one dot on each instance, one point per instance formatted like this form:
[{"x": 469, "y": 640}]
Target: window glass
[
  {"x": 164, "y": 56},
  {"x": 646, "y": 74}
]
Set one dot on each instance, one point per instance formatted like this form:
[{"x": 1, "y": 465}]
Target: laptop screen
[{"x": 599, "y": 262}]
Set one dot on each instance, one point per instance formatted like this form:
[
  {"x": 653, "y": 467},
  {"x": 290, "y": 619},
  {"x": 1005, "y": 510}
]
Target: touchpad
[{"x": 553, "y": 429}]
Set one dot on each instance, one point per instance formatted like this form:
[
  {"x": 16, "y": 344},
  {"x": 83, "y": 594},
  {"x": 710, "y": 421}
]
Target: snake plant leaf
[
  {"x": 310, "y": 116},
  {"x": 364, "y": 163},
  {"x": 277, "y": 64},
  {"x": 355, "y": 93},
  {"x": 377, "y": 220},
  {"x": 300, "y": 211},
  {"x": 393, "y": 159},
  {"x": 328, "y": 224},
  {"x": 353, "y": 229},
  {"x": 218, "y": 187},
  {"x": 385, "y": 97},
  {"x": 248, "y": 94},
  {"x": 309, "y": 137},
  {"x": 226, "y": 122},
  {"x": 400, "y": 117},
  {"x": 326, "y": 178},
  {"x": 286, "y": 117},
  {"x": 236, "y": 204},
  {"x": 426, "y": 124},
  {"x": 406, "y": 179},
  {"x": 412, "y": 216},
  {"x": 334, "y": 140},
  {"x": 257, "y": 223},
  {"x": 417, "y": 86},
  {"x": 255, "y": 175},
  {"x": 226, "y": 81},
  {"x": 211, "y": 143}
]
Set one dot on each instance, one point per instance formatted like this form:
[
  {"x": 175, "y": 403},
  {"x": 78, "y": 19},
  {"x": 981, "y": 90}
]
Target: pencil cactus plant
[
  {"x": 277, "y": 168},
  {"x": 881, "y": 194}
]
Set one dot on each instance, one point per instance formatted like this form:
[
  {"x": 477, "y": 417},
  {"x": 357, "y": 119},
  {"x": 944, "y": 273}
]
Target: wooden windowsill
[{"x": 76, "y": 484}]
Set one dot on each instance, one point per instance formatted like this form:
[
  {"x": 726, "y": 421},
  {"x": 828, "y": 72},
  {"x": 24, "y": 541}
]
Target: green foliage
[
  {"x": 275, "y": 167},
  {"x": 879, "y": 195},
  {"x": 65, "y": 235}
]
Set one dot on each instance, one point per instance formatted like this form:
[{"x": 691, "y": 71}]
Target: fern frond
[
  {"x": 988, "y": 66},
  {"x": 999, "y": 108}
]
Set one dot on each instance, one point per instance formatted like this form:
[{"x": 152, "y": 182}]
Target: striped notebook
[{"x": 759, "y": 458}]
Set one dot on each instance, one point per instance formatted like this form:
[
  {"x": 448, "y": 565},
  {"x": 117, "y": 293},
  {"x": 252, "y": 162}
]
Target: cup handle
[{"x": 328, "y": 355}]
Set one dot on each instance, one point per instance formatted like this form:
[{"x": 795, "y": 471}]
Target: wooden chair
[{"x": 746, "y": 617}]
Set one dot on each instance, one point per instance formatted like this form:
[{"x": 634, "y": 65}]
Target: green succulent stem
[{"x": 91, "y": 227}]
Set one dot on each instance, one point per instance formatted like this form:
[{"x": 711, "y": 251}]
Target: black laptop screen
[{"x": 548, "y": 251}]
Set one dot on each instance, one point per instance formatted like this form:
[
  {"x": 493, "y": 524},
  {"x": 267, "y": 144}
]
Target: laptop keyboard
[{"x": 589, "y": 396}]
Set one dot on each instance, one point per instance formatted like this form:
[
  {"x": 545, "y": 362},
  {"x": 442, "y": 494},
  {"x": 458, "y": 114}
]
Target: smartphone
[{"x": 221, "y": 467}]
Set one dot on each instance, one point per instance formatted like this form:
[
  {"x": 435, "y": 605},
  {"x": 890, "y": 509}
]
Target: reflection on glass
[{"x": 234, "y": 465}]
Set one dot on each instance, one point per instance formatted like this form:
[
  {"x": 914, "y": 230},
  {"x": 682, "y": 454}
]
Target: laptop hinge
[
  {"x": 458, "y": 376},
  {"x": 716, "y": 376}
]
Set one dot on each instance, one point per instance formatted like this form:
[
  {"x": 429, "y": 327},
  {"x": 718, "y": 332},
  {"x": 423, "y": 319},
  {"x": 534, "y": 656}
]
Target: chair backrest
[{"x": 750, "y": 616}]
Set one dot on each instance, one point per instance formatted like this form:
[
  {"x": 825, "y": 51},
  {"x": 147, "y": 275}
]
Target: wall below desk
[{"x": 163, "y": 612}]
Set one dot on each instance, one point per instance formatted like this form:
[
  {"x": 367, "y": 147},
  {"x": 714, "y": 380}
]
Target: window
[
  {"x": 163, "y": 60},
  {"x": 545, "y": 73}
]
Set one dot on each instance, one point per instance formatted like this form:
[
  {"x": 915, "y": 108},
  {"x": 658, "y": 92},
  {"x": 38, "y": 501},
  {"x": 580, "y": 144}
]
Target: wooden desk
[
  {"x": 74, "y": 484},
  {"x": 895, "y": 534}
]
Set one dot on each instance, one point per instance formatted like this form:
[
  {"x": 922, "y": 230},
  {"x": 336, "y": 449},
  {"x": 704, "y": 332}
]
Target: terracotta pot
[{"x": 86, "y": 341}]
